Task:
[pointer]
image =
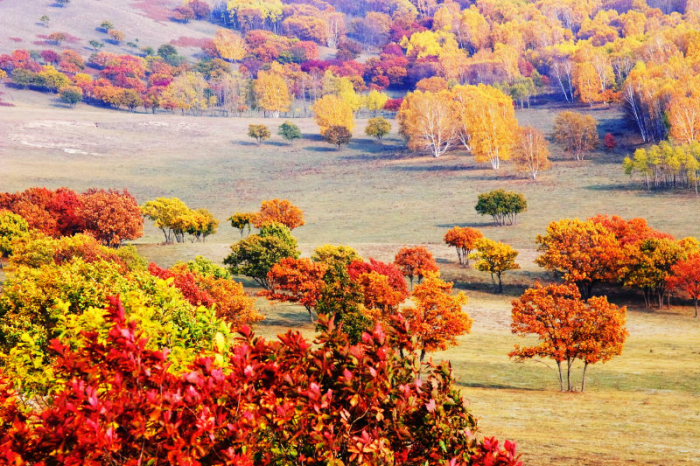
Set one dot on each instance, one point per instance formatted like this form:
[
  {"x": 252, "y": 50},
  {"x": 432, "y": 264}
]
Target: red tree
[
  {"x": 685, "y": 277},
  {"x": 111, "y": 216}
]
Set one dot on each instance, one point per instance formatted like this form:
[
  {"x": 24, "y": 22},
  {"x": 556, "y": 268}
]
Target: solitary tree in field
[
  {"x": 289, "y": 131},
  {"x": 531, "y": 152},
  {"x": 378, "y": 128},
  {"x": 259, "y": 132},
  {"x": 44, "y": 20},
  {"x": 496, "y": 258},
  {"x": 464, "y": 241},
  {"x": 116, "y": 35},
  {"x": 578, "y": 133},
  {"x": 503, "y": 206},
  {"x": 338, "y": 136},
  {"x": 416, "y": 262},
  {"x": 568, "y": 328}
]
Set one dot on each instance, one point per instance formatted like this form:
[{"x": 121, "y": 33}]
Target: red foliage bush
[{"x": 281, "y": 402}]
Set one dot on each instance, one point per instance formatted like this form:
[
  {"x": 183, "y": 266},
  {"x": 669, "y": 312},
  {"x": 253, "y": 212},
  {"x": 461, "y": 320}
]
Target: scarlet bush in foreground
[{"x": 281, "y": 402}]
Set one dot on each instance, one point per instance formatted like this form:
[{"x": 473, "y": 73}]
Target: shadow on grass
[
  {"x": 247, "y": 143},
  {"x": 498, "y": 386},
  {"x": 468, "y": 224},
  {"x": 286, "y": 319},
  {"x": 436, "y": 168},
  {"x": 322, "y": 149},
  {"x": 514, "y": 290}
]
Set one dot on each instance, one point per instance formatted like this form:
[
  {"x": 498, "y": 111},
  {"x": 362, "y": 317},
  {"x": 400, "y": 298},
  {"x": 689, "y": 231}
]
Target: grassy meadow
[{"x": 641, "y": 408}]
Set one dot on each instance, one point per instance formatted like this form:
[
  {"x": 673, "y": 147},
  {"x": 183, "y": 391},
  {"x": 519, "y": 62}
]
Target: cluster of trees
[
  {"x": 613, "y": 250},
  {"x": 666, "y": 165},
  {"x": 481, "y": 119},
  {"x": 111, "y": 216},
  {"x": 96, "y": 345},
  {"x": 175, "y": 219}
]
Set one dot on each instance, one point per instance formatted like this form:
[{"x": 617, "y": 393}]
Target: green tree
[
  {"x": 255, "y": 255},
  {"x": 378, "y": 127},
  {"x": 242, "y": 221},
  {"x": 70, "y": 95},
  {"x": 289, "y": 131},
  {"x": 259, "y": 132},
  {"x": 503, "y": 206}
]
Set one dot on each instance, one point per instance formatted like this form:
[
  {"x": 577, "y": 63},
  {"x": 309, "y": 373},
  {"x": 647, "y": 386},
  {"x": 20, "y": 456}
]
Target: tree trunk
[
  {"x": 561, "y": 378},
  {"x": 569, "y": 363},
  {"x": 500, "y": 283},
  {"x": 695, "y": 304},
  {"x": 583, "y": 377}
]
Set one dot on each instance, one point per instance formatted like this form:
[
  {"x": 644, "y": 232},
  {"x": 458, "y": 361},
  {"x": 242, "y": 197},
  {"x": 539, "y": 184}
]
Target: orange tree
[
  {"x": 585, "y": 252},
  {"x": 297, "y": 280},
  {"x": 280, "y": 211},
  {"x": 568, "y": 328},
  {"x": 416, "y": 262},
  {"x": 437, "y": 318},
  {"x": 464, "y": 241}
]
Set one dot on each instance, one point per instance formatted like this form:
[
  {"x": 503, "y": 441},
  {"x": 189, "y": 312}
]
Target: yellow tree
[
  {"x": 375, "y": 101},
  {"x": 272, "y": 93},
  {"x": 428, "y": 121},
  {"x": 489, "y": 119},
  {"x": 331, "y": 110},
  {"x": 187, "y": 92},
  {"x": 230, "y": 45},
  {"x": 531, "y": 152},
  {"x": 496, "y": 258},
  {"x": 684, "y": 113}
]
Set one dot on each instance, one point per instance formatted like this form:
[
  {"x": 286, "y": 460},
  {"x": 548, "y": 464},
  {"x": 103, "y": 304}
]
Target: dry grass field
[{"x": 641, "y": 408}]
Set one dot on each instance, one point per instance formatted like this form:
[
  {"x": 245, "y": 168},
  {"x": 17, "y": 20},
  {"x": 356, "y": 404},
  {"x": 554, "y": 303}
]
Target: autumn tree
[
  {"x": 503, "y": 206},
  {"x": 259, "y": 132},
  {"x": 165, "y": 212},
  {"x": 486, "y": 118},
  {"x": 111, "y": 216},
  {"x": 531, "y": 152},
  {"x": 242, "y": 221},
  {"x": 427, "y": 121},
  {"x": 496, "y": 258},
  {"x": 272, "y": 93},
  {"x": 437, "y": 317},
  {"x": 648, "y": 265},
  {"x": 378, "y": 128},
  {"x": 331, "y": 110},
  {"x": 12, "y": 227},
  {"x": 568, "y": 328},
  {"x": 333, "y": 255},
  {"x": 297, "y": 280},
  {"x": 70, "y": 95},
  {"x": 230, "y": 45},
  {"x": 256, "y": 255},
  {"x": 279, "y": 211},
  {"x": 289, "y": 131},
  {"x": 416, "y": 262},
  {"x": 338, "y": 136},
  {"x": 685, "y": 277},
  {"x": 387, "y": 294},
  {"x": 584, "y": 252},
  {"x": 578, "y": 133},
  {"x": 463, "y": 239}
]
